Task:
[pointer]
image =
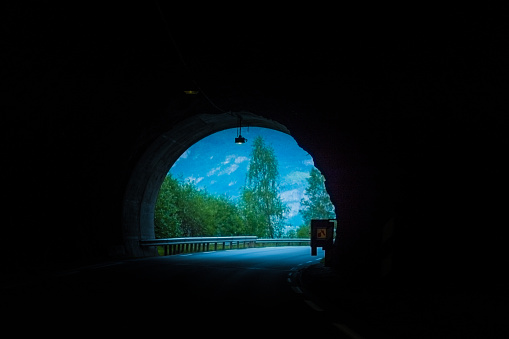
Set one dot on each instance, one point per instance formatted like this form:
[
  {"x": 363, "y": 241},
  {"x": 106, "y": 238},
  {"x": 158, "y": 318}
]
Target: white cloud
[
  {"x": 184, "y": 155},
  {"x": 232, "y": 161},
  {"x": 229, "y": 170},
  {"x": 291, "y": 195},
  {"x": 239, "y": 160},
  {"x": 294, "y": 209},
  {"x": 232, "y": 183},
  {"x": 193, "y": 179},
  {"x": 213, "y": 171},
  {"x": 292, "y": 200},
  {"x": 296, "y": 177},
  {"x": 236, "y": 159},
  {"x": 308, "y": 162},
  {"x": 228, "y": 159}
]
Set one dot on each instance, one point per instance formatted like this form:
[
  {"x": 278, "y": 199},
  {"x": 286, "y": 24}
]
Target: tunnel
[{"x": 404, "y": 117}]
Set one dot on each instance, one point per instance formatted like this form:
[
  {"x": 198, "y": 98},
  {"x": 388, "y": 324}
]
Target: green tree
[
  {"x": 227, "y": 218},
  {"x": 188, "y": 210},
  {"x": 184, "y": 210},
  {"x": 291, "y": 234},
  {"x": 263, "y": 209},
  {"x": 166, "y": 219},
  {"x": 304, "y": 231},
  {"x": 316, "y": 204}
]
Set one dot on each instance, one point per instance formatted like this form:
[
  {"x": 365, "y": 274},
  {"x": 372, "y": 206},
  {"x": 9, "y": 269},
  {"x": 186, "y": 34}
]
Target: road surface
[{"x": 250, "y": 291}]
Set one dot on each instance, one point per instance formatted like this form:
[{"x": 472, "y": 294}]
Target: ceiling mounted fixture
[{"x": 240, "y": 139}]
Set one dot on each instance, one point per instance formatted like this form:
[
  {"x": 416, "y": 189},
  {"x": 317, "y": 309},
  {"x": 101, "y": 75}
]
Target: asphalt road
[{"x": 234, "y": 292}]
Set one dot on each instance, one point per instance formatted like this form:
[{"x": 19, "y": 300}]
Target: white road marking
[
  {"x": 313, "y": 305},
  {"x": 348, "y": 331},
  {"x": 296, "y": 289}
]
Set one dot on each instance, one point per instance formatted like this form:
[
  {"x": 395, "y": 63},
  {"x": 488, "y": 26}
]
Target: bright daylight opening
[{"x": 266, "y": 187}]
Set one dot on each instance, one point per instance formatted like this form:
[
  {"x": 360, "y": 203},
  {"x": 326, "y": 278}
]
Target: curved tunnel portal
[{"x": 149, "y": 173}]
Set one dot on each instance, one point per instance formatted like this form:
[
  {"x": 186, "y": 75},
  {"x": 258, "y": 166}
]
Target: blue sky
[{"x": 219, "y": 166}]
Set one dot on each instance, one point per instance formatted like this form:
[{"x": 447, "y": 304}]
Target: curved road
[{"x": 250, "y": 291}]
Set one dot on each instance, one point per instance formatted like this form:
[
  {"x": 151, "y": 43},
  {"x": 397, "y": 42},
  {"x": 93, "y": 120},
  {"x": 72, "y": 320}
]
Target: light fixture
[
  {"x": 240, "y": 139},
  {"x": 191, "y": 92}
]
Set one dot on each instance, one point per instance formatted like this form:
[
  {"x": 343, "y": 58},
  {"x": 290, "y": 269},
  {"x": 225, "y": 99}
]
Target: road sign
[{"x": 321, "y": 233}]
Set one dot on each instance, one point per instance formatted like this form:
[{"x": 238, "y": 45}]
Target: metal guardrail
[
  {"x": 283, "y": 241},
  {"x": 196, "y": 244}
]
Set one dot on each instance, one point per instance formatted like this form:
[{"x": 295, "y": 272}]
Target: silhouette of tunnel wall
[
  {"x": 362, "y": 207},
  {"x": 405, "y": 121}
]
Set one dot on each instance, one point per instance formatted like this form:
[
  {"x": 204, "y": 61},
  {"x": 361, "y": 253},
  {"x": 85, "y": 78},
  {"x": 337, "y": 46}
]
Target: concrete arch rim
[{"x": 143, "y": 186}]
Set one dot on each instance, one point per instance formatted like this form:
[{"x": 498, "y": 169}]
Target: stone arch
[{"x": 150, "y": 171}]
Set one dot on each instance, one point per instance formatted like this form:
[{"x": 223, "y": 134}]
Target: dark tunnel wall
[{"x": 405, "y": 117}]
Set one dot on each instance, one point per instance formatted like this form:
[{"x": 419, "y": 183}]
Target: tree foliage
[
  {"x": 166, "y": 215},
  {"x": 182, "y": 210},
  {"x": 316, "y": 204},
  {"x": 263, "y": 209}
]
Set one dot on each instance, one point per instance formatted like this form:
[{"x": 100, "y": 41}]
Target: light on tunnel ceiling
[{"x": 240, "y": 139}]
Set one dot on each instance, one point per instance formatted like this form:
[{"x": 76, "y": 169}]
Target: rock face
[{"x": 404, "y": 117}]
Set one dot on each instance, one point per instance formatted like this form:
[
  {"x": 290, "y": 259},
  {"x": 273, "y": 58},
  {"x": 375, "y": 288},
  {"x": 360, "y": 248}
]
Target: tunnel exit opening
[
  {"x": 151, "y": 170},
  {"x": 268, "y": 187}
]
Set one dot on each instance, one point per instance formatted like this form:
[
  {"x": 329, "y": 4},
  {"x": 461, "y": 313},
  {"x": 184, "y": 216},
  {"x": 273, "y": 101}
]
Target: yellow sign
[{"x": 321, "y": 233}]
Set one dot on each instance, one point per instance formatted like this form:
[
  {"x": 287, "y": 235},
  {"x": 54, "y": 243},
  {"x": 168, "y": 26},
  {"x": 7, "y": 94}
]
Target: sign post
[{"x": 322, "y": 231}]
